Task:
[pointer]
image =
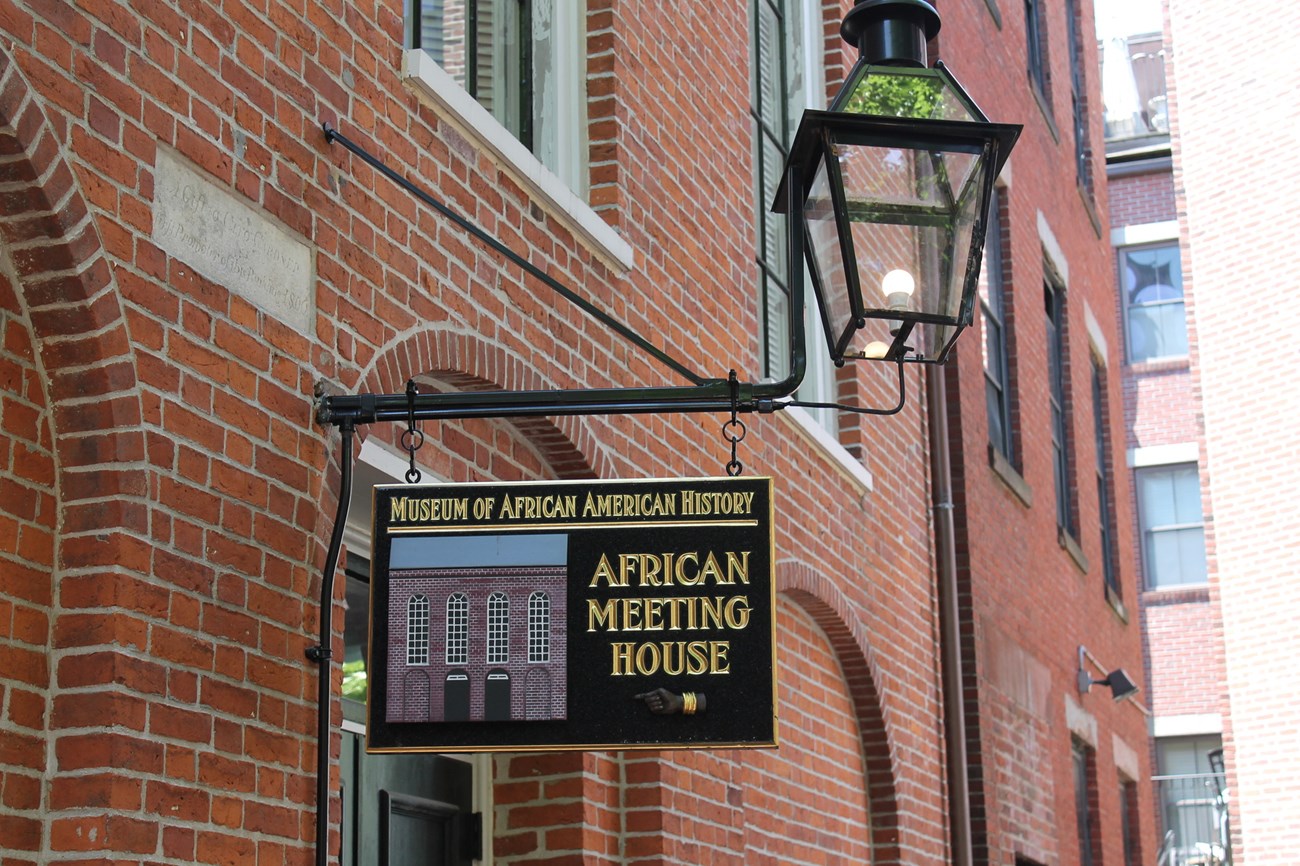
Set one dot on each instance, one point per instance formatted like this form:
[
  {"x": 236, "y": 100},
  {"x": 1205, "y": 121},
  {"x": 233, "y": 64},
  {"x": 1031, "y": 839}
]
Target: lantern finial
[{"x": 891, "y": 32}]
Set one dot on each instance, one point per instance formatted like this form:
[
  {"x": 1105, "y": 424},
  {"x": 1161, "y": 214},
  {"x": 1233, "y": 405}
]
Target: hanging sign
[{"x": 572, "y": 615}]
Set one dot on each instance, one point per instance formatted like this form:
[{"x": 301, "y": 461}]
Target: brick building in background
[
  {"x": 186, "y": 257},
  {"x": 1198, "y": 226}
]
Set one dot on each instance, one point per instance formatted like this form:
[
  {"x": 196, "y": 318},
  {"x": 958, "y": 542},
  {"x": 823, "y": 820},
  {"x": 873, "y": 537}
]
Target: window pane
[
  {"x": 1153, "y": 296},
  {"x": 1156, "y": 498},
  {"x": 356, "y": 628},
  {"x": 1191, "y": 555},
  {"x": 539, "y": 628},
  {"x": 498, "y": 635},
  {"x": 1187, "y": 495},
  {"x": 458, "y": 629},
  {"x": 520, "y": 59},
  {"x": 1169, "y": 508},
  {"x": 417, "y": 630}
]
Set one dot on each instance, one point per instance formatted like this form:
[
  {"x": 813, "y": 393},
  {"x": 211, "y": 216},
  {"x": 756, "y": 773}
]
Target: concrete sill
[
  {"x": 1008, "y": 475},
  {"x": 1071, "y": 546}
]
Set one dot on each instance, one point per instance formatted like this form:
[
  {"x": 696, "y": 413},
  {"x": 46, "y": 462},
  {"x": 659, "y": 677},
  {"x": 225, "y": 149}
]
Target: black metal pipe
[
  {"x": 321, "y": 653},
  {"x": 950, "y": 651},
  {"x": 332, "y": 135},
  {"x": 860, "y": 410}
]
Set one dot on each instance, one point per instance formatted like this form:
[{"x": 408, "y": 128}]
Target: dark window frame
[
  {"x": 520, "y": 121},
  {"x": 1079, "y": 98},
  {"x": 999, "y": 382},
  {"x": 1036, "y": 50},
  {"x": 1085, "y": 801},
  {"x": 1058, "y": 368},
  {"x": 1105, "y": 493},
  {"x": 1130, "y": 820}
]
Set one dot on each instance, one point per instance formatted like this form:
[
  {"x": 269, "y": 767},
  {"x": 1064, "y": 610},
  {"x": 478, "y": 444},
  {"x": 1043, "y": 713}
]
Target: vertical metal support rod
[{"x": 321, "y": 652}]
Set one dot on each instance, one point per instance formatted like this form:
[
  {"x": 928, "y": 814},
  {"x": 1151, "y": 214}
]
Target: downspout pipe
[
  {"x": 950, "y": 655},
  {"x": 321, "y": 653}
]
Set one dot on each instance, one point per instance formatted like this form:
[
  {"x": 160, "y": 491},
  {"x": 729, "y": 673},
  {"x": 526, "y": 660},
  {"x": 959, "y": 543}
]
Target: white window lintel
[
  {"x": 1164, "y": 455},
  {"x": 1144, "y": 233}
]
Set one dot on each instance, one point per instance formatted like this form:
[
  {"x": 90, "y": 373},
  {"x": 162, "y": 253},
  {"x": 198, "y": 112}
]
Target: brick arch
[
  {"x": 63, "y": 275},
  {"x": 821, "y": 599},
  {"x": 59, "y": 294},
  {"x": 466, "y": 362}
]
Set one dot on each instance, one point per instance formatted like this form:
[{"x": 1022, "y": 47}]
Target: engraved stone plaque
[{"x": 232, "y": 243}]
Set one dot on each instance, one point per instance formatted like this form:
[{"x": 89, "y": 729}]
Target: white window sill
[
  {"x": 430, "y": 81},
  {"x": 817, "y": 436}
]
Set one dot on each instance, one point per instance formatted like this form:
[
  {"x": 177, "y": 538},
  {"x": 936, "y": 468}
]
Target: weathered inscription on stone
[{"x": 231, "y": 243}]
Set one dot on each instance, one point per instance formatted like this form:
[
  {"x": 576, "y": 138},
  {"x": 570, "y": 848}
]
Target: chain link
[
  {"x": 733, "y": 431},
  {"x": 412, "y": 437}
]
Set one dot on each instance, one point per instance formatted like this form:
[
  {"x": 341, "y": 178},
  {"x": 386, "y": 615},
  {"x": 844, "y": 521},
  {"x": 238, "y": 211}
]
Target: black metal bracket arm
[{"x": 703, "y": 394}]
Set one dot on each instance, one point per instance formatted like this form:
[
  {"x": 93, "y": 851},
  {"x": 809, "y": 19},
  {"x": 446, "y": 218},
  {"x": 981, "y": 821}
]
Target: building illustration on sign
[{"x": 477, "y": 629}]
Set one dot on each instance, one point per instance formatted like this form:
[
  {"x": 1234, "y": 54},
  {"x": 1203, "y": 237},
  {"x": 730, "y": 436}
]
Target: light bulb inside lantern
[
  {"x": 875, "y": 350},
  {"x": 898, "y": 286}
]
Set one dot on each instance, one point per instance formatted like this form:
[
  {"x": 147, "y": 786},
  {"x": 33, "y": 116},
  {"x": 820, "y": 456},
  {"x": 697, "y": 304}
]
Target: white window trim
[
  {"x": 1126, "y": 758},
  {"x": 438, "y": 88},
  {"x": 1052, "y": 250},
  {"x": 1080, "y": 722},
  {"x": 1186, "y": 725},
  {"x": 828, "y": 447},
  {"x": 1164, "y": 455},
  {"x": 1098, "y": 340},
  {"x": 1144, "y": 233}
]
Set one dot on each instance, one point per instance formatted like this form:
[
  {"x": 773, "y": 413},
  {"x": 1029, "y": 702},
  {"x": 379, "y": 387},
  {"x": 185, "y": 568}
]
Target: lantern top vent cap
[{"x": 891, "y": 31}]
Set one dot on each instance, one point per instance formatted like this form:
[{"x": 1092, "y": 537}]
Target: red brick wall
[
  {"x": 1028, "y": 603},
  {"x": 27, "y": 515},
  {"x": 1142, "y": 198},
  {"x": 1181, "y": 629}
]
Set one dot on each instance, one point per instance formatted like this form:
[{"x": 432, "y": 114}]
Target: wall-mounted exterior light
[
  {"x": 898, "y": 176},
  {"x": 1121, "y": 685}
]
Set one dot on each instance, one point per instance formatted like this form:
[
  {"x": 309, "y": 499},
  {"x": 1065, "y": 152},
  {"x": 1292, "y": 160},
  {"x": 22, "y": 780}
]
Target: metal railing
[{"x": 1194, "y": 820}]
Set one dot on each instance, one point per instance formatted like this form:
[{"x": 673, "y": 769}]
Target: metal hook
[
  {"x": 412, "y": 437},
  {"x": 734, "y": 430}
]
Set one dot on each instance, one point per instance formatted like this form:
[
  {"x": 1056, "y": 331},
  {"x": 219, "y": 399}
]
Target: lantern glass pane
[
  {"x": 893, "y": 91},
  {"x": 881, "y": 179},
  {"x": 827, "y": 256}
]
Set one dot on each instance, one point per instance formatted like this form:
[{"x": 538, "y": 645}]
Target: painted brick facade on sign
[{"x": 167, "y": 499}]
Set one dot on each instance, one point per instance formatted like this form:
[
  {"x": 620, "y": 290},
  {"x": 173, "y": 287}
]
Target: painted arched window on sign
[
  {"x": 539, "y": 627},
  {"x": 498, "y": 630},
  {"x": 458, "y": 629},
  {"x": 417, "y": 630}
]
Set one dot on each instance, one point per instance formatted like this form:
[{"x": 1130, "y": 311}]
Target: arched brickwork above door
[
  {"x": 567, "y": 445},
  {"x": 66, "y": 286},
  {"x": 818, "y": 596}
]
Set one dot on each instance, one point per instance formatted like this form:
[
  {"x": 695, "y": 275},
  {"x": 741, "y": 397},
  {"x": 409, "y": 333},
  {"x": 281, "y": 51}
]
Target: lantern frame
[{"x": 822, "y": 139}]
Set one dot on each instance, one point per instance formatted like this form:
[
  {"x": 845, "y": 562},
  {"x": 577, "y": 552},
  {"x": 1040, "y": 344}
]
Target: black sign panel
[{"x": 572, "y": 615}]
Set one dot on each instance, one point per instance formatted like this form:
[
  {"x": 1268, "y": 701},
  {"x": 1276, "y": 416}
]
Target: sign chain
[
  {"x": 733, "y": 430},
  {"x": 412, "y": 437}
]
